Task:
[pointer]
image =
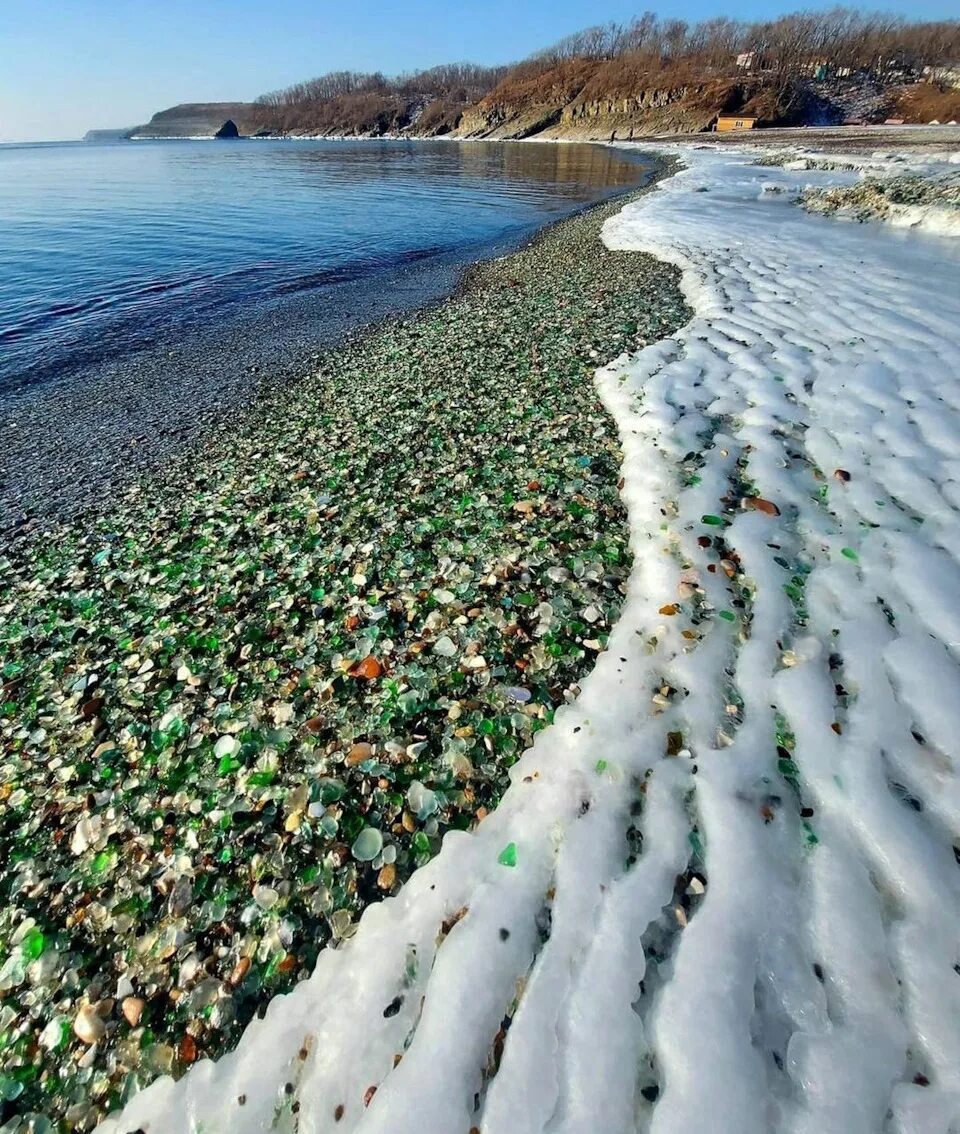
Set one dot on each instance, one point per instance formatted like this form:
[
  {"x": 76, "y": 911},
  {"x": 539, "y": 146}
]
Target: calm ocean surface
[{"x": 106, "y": 250}]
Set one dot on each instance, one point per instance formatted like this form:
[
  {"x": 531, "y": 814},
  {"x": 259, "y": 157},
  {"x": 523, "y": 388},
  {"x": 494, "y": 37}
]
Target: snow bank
[
  {"x": 919, "y": 190},
  {"x": 721, "y": 893},
  {"x": 919, "y": 201}
]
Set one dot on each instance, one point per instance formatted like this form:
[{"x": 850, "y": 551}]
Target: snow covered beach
[{"x": 722, "y": 891}]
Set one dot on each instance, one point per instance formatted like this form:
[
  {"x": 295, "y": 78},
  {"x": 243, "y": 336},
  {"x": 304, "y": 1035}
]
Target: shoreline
[
  {"x": 69, "y": 442},
  {"x": 775, "y": 738},
  {"x": 315, "y": 646},
  {"x": 854, "y": 138}
]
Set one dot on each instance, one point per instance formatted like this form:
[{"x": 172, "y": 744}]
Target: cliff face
[
  {"x": 196, "y": 120},
  {"x": 677, "y": 110},
  {"x": 557, "y": 113},
  {"x": 577, "y": 101}
]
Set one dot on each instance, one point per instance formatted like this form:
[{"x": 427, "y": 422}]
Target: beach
[
  {"x": 539, "y": 718},
  {"x": 720, "y": 891},
  {"x": 250, "y": 694},
  {"x": 151, "y": 291}
]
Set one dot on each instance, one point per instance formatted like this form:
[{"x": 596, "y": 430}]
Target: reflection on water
[
  {"x": 569, "y": 170},
  {"x": 108, "y": 248}
]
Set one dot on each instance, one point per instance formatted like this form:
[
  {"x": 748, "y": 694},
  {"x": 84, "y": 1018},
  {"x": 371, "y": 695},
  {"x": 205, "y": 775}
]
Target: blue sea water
[{"x": 106, "y": 250}]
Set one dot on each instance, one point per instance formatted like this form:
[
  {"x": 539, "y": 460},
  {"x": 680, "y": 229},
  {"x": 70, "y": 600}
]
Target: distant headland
[{"x": 187, "y": 120}]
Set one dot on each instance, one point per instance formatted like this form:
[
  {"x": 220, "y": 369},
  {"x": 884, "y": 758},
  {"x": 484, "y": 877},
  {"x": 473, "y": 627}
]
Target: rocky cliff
[
  {"x": 669, "y": 110},
  {"x": 196, "y": 120},
  {"x": 579, "y": 100}
]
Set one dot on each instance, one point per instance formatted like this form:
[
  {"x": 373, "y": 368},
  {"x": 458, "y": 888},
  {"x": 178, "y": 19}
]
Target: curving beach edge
[
  {"x": 251, "y": 695},
  {"x": 728, "y": 871},
  {"x": 575, "y": 743}
]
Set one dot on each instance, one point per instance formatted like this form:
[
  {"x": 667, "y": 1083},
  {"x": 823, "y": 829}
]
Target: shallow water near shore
[
  {"x": 151, "y": 288},
  {"x": 115, "y": 248}
]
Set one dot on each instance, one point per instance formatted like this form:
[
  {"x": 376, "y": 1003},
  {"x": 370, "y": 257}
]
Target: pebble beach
[
  {"x": 720, "y": 892},
  {"x": 247, "y": 697}
]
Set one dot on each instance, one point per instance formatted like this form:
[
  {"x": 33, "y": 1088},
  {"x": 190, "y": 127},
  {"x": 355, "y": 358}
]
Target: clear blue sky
[{"x": 69, "y": 65}]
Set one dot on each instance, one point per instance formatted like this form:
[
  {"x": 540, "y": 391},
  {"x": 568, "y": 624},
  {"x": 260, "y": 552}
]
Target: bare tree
[{"x": 638, "y": 33}]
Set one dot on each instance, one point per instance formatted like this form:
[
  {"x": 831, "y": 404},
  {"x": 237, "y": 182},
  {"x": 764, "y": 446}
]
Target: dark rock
[{"x": 228, "y": 130}]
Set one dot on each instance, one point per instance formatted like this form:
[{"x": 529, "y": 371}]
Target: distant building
[
  {"x": 728, "y": 122},
  {"x": 745, "y": 60}
]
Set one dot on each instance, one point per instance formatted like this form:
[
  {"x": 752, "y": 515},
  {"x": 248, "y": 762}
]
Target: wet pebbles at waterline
[{"x": 251, "y": 697}]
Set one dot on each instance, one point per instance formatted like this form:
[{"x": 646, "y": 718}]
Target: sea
[{"x": 257, "y": 249}]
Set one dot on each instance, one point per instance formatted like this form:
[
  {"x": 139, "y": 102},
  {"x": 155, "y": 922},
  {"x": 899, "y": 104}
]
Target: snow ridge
[{"x": 736, "y": 899}]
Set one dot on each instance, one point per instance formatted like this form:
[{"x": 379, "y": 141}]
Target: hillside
[
  {"x": 196, "y": 120},
  {"x": 927, "y": 102},
  {"x": 648, "y": 77},
  {"x": 424, "y": 103},
  {"x": 365, "y": 114},
  {"x": 576, "y": 99},
  {"x": 590, "y": 101},
  {"x": 626, "y": 98},
  {"x": 651, "y": 76}
]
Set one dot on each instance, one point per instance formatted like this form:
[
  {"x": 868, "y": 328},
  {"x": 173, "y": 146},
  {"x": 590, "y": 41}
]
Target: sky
[{"x": 72, "y": 65}]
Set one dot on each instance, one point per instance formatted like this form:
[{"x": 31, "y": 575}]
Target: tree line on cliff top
[
  {"x": 363, "y": 100},
  {"x": 612, "y": 58}
]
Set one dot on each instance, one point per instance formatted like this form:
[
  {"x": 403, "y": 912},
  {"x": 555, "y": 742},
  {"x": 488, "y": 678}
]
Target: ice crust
[{"x": 812, "y": 988}]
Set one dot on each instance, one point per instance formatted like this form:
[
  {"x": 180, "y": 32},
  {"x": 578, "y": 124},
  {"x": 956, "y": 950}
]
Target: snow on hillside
[{"x": 722, "y": 893}]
